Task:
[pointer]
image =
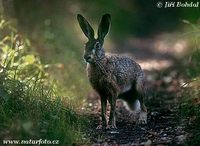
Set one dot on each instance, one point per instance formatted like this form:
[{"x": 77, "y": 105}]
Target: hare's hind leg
[
  {"x": 131, "y": 102},
  {"x": 141, "y": 90}
]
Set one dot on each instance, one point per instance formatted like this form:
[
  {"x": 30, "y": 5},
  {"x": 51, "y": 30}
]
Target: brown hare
[{"x": 112, "y": 76}]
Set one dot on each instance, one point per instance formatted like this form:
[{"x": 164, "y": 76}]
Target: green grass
[
  {"x": 190, "y": 110},
  {"x": 30, "y": 104},
  {"x": 190, "y": 106}
]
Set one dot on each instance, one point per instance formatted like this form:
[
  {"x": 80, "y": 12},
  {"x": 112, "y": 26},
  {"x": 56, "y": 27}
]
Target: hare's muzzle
[{"x": 88, "y": 58}]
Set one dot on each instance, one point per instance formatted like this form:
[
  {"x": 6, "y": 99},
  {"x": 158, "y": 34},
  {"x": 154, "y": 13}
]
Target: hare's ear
[
  {"x": 104, "y": 26},
  {"x": 85, "y": 26}
]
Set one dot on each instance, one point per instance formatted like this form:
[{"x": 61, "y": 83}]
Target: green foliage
[
  {"x": 193, "y": 60},
  {"x": 193, "y": 69},
  {"x": 190, "y": 107},
  {"x": 190, "y": 110},
  {"x": 30, "y": 107}
]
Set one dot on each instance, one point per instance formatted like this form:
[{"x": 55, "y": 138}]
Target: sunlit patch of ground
[
  {"x": 156, "y": 53},
  {"x": 154, "y": 64}
]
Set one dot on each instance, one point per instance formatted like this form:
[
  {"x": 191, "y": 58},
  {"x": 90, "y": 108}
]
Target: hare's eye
[{"x": 97, "y": 45}]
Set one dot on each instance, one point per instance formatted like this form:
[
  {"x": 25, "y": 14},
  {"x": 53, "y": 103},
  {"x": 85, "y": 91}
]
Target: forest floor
[{"x": 164, "y": 127}]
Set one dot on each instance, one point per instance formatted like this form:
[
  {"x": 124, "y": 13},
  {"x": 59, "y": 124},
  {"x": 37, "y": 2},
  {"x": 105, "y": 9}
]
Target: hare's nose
[{"x": 87, "y": 58}]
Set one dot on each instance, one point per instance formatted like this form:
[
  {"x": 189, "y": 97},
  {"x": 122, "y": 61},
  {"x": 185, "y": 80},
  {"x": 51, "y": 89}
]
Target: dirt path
[{"x": 164, "y": 126}]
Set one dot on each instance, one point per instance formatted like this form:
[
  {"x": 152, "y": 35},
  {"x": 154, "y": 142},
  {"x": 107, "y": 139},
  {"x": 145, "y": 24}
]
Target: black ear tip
[
  {"x": 107, "y": 15},
  {"x": 79, "y": 16}
]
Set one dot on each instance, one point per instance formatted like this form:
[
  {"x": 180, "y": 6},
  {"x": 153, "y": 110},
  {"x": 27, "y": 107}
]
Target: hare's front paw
[
  {"x": 99, "y": 127},
  {"x": 142, "y": 118},
  {"x": 113, "y": 126}
]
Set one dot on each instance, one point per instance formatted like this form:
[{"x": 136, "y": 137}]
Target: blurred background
[
  {"x": 161, "y": 40},
  {"x": 156, "y": 37}
]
